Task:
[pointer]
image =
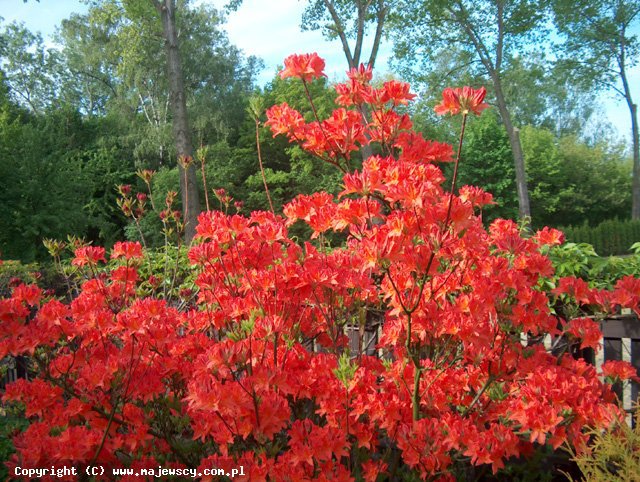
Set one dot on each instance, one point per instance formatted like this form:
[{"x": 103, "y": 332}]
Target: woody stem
[
  {"x": 264, "y": 179},
  {"x": 455, "y": 169}
]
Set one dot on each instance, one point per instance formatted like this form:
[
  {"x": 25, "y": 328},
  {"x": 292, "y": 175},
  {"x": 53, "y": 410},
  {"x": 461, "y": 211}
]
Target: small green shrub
[
  {"x": 582, "y": 261},
  {"x": 11, "y": 271},
  {"x": 10, "y": 423},
  {"x": 613, "y": 455}
]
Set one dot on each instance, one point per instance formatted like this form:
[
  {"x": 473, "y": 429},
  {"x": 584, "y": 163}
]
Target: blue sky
[{"x": 269, "y": 29}]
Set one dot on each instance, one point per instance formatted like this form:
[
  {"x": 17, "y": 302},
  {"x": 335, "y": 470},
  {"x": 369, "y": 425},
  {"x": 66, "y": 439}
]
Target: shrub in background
[
  {"x": 613, "y": 237},
  {"x": 613, "y": 454}
]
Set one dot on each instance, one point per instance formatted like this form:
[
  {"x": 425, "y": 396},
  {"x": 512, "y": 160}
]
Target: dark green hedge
[{"x": 612, "y": 237}]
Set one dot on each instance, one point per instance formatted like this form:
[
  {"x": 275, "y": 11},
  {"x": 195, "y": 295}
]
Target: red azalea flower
[
  {"x": 305, "y": 66},
  {"x": 282, "y": 119},
  {"x": 88, "y": 255},
  {"x": 397, "y": 92},
  {"x": 619, "y": 370},
  {"x": 549, "y": 236},
  {"x": 463, "y": 99},
  {"x": 587, "y": 330},
  {"x": 362, "y": 74},
  {"x": 127, "y": 250}
]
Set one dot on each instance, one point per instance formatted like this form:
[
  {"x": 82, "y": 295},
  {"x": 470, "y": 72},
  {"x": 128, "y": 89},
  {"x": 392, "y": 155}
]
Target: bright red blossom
[
  {"x": 549, "y": 236},
  {"x": 128, "y": 250},
  {"x": 304, "y": 66},
  {"x": 462, "y": 99},
  {"x": 587, "y": 331},
  {"x": 284, "y": 120},
  {"x": 89, "y": 256},
  {"x": 397, "y": 93},
  {"x": 619, "y": 370}
]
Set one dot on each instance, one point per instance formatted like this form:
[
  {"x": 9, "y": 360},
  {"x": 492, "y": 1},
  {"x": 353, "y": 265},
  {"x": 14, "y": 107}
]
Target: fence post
[
  {"x": 599, "y": 356},
  {"x": 626, "y": 387}
]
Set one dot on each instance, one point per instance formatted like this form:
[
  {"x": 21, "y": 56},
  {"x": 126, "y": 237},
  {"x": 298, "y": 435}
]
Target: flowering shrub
[{"x": 258, "y": 371}]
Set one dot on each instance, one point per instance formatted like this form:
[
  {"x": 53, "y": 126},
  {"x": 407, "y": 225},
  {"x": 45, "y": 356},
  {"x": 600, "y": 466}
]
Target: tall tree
[
  {"x": 115, "y": 59},
  {"x": 181, "y": 130},
  {"x": 347, "y": 20},
  {"x": 491, "y": 32},
  {"x": 153, "y": 64},
  {"x": 92, "y": 52},
  {"x": 29, "y": 67},
  {"x": 600, "y": 49}
]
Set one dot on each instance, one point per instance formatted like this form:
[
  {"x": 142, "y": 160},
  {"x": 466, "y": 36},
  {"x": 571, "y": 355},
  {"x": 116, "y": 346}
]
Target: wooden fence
[
  {"x": 13, "y": 368},
  {"x": 620, "y": 339}
]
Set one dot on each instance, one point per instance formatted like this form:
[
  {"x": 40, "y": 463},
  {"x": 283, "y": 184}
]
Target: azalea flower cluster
[
  {"x": 259, "y": 371},
  {"x": 352, "y": 126}
]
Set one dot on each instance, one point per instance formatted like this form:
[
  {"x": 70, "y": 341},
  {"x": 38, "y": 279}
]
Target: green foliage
[
  {"x": 228, "y": 168},
  {"x": 11, "y": 270},
  {"x": 548, "y": 190},
  {"x": 109, "y": 116},
  {"x": 10, "y": 422},
  {"x": 566, "y": 184},
  {"x": 612, "y": 455},
  {"x": 38, "y": 158},
  {"x": 487, "y": 162},
  {"x": 611, "y": 237},
  {"x": 58, "y": 177},
  {"x": 573, "y": 259},
  {"x": 30, "y": 68},
  {"x": 596, "y": 196},
  {"x": 582, "y": 261},
  {"x": 104, "y": 169},
  {"x": 116, "y": 57}
]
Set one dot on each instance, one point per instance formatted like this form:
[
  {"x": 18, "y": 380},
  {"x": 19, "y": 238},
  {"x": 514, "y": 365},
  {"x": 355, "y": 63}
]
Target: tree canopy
[{"x": 601, "y": 47}]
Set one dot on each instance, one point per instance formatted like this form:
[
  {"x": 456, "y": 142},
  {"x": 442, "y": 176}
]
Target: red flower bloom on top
[
  {"x": 305, "y": 66},
  {"x": 88, "y": 255},
  {"x": 282, "y": 119},
  {"x": 397, "y": 92},
  {"x": 361, "y": 75},
  {"x": 462, "y": 99},
  {"x": 549, "y": 236},
  {"x": 127, "y": 250}
]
